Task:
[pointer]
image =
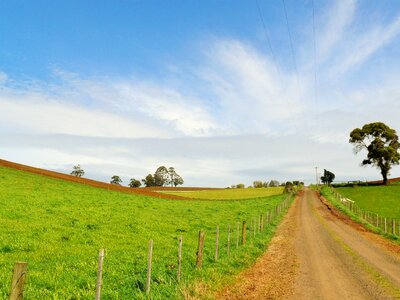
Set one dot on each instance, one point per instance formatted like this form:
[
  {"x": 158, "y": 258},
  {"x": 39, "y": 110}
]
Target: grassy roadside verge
[
  {"x": 214, "y": 280},
  {"x": 355, "y": 215}
]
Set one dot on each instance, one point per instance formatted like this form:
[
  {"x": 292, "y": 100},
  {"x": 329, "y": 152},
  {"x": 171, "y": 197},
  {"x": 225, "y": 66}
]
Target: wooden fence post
[
  {"x": 149, "y": 263},
  {"x": 216, "y": 244},
  {"x": 254, "y": 227},
  {"x": 18, "y": 281},
  {"x": 244, "y": 233},
  {"x": 229, "y": 240},
  {"x": 393, "y": 227},
  {"x": 99, "y": 282},
  {"x": 385, "y": 225},
  {"x": 178, "y": 275},
  {"x": 200, "y": 248},
  {"x": 237, "y": 235}
]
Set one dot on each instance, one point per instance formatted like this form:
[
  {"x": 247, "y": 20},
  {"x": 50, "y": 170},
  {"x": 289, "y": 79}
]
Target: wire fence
[
  {"x": 379, "y": 222},
  {"x": 238, "y": 235}
]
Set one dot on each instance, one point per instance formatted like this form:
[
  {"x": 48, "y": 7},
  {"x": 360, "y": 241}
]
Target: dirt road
[{"x": 320, "y": 254}]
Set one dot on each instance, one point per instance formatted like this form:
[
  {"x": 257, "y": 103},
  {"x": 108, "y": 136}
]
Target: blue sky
[{"x": 124, "y": 86}]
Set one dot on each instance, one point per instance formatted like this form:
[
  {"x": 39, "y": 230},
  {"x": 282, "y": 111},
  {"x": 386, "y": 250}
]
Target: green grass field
[
  {"x": 383, "y": 200},
  {"x": 229, "y": 194},
  {"x": 58, "y": 228}
]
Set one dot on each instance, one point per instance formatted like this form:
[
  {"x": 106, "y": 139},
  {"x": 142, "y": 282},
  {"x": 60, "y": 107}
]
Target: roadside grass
[
  {"x": 328, "y": 194},
  {"x": 383, "y": 200},
  {"x": 229, "y": 194},
  {"x": 58, "y": 228}
]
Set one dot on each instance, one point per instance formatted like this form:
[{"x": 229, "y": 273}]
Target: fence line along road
[
  {"x": 20, "y": 269},
  {"x": 381, "y": 223}
]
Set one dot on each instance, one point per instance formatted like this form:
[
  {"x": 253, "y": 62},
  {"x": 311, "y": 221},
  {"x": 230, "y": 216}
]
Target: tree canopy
[
  {"x": 116, "y": 180},
  {"x": 289, "y": 187},
  {"x": 162, "y": 177},
  {"x": 274, "y": 183},
  {"x": 258, "y": 184},
  {"x": 149, "y": 180},
  {"x": 328, "y": 177},
  {"x": 134, "y": 183},
  {"x": 382, "y": 144},
  {"x": 174, "y": 178},
  {"x": 77, "y": 171}
]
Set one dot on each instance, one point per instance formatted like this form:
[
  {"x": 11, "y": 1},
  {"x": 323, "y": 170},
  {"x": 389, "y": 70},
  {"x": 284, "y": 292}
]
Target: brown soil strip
[
  {"x": 90, "y": 182},
  {"x": 391, "y": 180}
]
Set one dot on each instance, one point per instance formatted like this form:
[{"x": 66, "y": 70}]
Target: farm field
[
  {"x": 229, "y": 194},
  {"x": 59, "y": 226},
  {"x": 383, "y": 200}
]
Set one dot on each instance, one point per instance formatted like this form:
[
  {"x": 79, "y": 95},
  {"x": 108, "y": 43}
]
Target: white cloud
[
  {"x": 337, "y": 21},
  {"x": 184, "y": 113},
  {"x": 236, "y": 119},
  {"x": 32, "y": 112},
  {"x": 252, "y": 96},
  {"x": 360, "y": 48},
  {"x": 201, "y": 161}
]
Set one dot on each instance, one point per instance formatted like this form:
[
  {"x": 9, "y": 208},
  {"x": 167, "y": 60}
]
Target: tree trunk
[{"x": 384, "y": 175}]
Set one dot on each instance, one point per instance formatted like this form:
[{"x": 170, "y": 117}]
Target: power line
[
  {"x": 266, "y": 32},
  {"x": 272, "y": 51},
  {"x": 315, "y": 55},
  {"x": 294, "y": 60},
  {"x": 291, "y": 44}
]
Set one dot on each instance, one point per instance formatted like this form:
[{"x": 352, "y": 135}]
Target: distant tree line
[
  {"x": 291, "y": 187},
  {"x": 265, "y": 184},
  {"x": 162, "y": 177}
]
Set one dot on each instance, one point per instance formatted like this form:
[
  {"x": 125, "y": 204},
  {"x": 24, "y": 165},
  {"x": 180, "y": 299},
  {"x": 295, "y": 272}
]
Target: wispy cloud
[
  {"x": 185, "y": 114},
  {"x": 337, "y": 21},
  {"x": 40, "y": 113},
  {"x": 232, "y": 117},
  {"x": 363, "y": 46}
]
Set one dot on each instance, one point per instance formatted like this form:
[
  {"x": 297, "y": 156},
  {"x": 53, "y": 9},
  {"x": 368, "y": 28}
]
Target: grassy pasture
[
  {"x": 58, "y": 227},
  {"x": 229, "y": 194},
  {"x": 383, "y": 200}
]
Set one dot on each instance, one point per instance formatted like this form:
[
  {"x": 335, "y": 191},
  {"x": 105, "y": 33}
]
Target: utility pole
[{"x": 316, "y": 176}]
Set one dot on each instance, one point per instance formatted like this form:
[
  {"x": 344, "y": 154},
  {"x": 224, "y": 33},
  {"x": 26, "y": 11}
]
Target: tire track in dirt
[{"x": 315, "y": 255}]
